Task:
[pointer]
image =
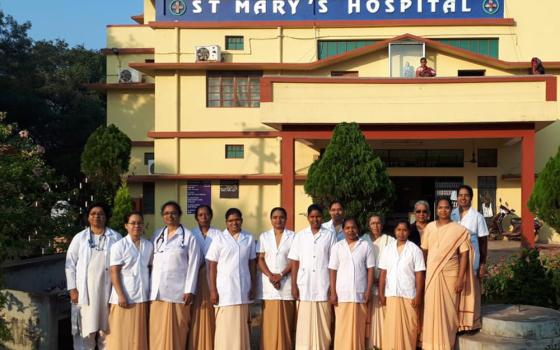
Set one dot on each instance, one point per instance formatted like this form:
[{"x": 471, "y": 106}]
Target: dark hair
[
  {"x": 313, "y": 207},
  {"x": 439, "y": 199},
  {"x": 233, "y": 211},
  {"x": 539, "y": 65},
  {"x": 465, "y": 187},
  {"x": 404, "y": 222},
  {"x": 336, "y": 201},
  {"x": 173, "y": 203},
  {"x": 101, "y": 205},
  {"x": 350, "y": 219},
  {"x": 127, "y": 216},
  {"x": 279, "y": 209},
  {"x": 423, "y": 59},
  {"x": 202, "y": 206}
]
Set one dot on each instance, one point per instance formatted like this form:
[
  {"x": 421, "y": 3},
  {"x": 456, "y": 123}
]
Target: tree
[
  {"x": 545, "y": 199},
  {"x": 121, "y": 207},
  {"x": 43, "y": 91},
  {"x": 33, "y": 214},
  {"x": 351, "y": 172},
  {"x": 105, "y": 158}
]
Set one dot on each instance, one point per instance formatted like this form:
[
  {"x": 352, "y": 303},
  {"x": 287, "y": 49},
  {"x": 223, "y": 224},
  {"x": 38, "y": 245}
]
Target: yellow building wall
[
  {"x": 166, "y": 156},
  {"x": 149, "y": 11},
  {"x": 546, "y": 145},
  {"x": 132, "y": 113},
  {"x": 302, "y": 201},
  {"x": 137, "y": 166},
  {"x": 207, "y": 156},
  {"x": 130, "y": 36},
  {"x": 304, "y": 157}
]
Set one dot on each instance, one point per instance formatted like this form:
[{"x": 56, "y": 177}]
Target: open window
[{"x": 404, "y": 57}]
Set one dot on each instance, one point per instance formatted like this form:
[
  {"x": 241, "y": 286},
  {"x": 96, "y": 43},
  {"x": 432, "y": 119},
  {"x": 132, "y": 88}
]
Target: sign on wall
[
  {"x": 198, "y": 193},
  {"x": 319, "y": 10}
]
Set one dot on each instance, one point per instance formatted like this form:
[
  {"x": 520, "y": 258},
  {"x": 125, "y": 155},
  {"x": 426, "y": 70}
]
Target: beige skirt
[
  {"x": 374, "y": 325},
  {"x": 401, "y": 325},
  {"x": 313, "y": 325},
  {"x": 278, "y": 324},
  {"x": 203, "y": 317},
  {"x": 350, "y": 327},
  {"x": 128, "y": 327},
  {"x": 232, "y": 328},
  {"x": 169, "y": 325}
]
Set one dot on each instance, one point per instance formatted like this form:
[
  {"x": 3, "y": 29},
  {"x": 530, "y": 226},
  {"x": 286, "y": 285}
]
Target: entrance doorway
[{"x": 410, "y": 189}]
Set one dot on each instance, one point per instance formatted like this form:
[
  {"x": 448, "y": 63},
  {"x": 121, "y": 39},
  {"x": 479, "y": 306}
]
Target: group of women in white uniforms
[{"x": 192, "y": 288}]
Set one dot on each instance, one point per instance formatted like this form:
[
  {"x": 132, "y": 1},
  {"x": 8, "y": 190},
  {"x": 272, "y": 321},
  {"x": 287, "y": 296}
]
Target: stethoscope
[
  {"x": 161, "y": 239},
  {"x": 101, "y": 243}
]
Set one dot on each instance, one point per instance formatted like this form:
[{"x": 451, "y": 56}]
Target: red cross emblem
[
  {"x": 491, "y": 6},
  {"x": 177, "y": 7}
]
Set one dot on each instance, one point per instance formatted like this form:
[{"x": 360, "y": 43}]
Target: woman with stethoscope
[
  {"x": 201, "y": 336},
  {"x": 88, "y": 279},
  {"x": 173, "y": 284}
]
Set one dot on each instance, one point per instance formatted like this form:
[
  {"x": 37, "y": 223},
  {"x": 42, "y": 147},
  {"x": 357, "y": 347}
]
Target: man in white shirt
[
  {"x": 336, "y": 211},
  {"x": 232, "y": 265},
  {"x": 474, "y": 222},
  {"x": 309, "y": 257},
  {"x": 401, "y": 284}
]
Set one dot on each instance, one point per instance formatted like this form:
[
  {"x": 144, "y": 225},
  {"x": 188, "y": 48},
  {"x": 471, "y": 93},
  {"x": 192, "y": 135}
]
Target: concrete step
[
  {"x": 520, "y": 321},
  {"x": 481, "y": 341}
]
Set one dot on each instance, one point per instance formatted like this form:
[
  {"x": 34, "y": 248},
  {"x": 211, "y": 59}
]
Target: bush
[
  {"x": 351, "y": 172},
  {"x": 122, "y": 206},
  {"x": 545, "y": 199},
  {"x": 525, "y": 279}
]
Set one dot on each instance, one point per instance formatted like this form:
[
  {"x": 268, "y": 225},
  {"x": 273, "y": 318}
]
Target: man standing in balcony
[
  {"x": 474, "y": 222},
  {"x": 424, "y": 71}
]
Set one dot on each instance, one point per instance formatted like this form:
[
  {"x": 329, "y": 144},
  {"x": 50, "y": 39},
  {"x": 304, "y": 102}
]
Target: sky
[{"x": 75, "y": 21}]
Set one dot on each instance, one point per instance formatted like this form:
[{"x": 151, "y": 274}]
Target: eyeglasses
[
  {"x": 135, "y": 223},
  {"x": 421, "y": 212}
]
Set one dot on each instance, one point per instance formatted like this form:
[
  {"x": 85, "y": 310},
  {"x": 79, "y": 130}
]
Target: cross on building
[
  {"x": 177, "y": 7},
  {"x": 491, "y": 6}
]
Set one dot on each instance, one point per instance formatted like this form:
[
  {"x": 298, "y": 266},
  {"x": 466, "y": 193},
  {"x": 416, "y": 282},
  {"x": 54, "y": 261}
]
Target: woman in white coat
[
  {"x": 130, "y": 275},
  {"x": 232, "y": 264},
  {"x": 173, "y": 282},
  {"x": 88, "y": 280},
  {"x": 275, "y": 285}
]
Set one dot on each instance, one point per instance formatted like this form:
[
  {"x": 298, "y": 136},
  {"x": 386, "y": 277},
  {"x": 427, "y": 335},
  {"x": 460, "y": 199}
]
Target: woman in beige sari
[{"x": 449, "y": 297}]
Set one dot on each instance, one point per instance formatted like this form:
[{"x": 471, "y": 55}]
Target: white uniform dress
[
  {"x": 87, "y": 263},
  {"x": 312, "y": 251},
  {"x": 233, "y": 282},
  {"x": 329, "y": 225}
]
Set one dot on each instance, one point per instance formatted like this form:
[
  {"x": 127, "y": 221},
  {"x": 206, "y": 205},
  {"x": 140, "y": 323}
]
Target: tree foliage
[
  {"x": 105, "y": 158},
  {"x": 121, "y": 207},
  {"x": 43, "y": 90},
  {"x": 545, "y": 199},
  {"x": 351, "y": 172}
]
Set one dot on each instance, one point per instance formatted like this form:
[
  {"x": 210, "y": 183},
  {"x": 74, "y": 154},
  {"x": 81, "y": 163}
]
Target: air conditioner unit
[
  {"x": 209, "y": 53},
  {"x": 129, "y": 75},
  {"x": 151, "y": 167}
]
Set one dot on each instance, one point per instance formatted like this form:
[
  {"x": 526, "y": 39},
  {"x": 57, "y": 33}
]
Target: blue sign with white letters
[{"x": 321, "y": 10}]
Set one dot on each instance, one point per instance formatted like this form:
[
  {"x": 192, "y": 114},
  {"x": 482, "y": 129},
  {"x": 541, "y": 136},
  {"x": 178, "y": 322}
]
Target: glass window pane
[{"x": 404, "y": 58}]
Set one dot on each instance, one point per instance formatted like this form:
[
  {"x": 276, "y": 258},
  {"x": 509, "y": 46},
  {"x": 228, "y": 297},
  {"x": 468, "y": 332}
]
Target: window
[
  {"x": 233, "y": 89},
  {"x": 149, "y": 60},
  {"x": 147, "y": 157},
  {"x": 148, "y": 200},
  {"x": 234, "y": 43},
  {"x": 344, "y": 74},
  {"x": 487, "y": 157},
  {"x": 471, "y": 72},
  {"x": 235, "y": 151},
  {"x": 404, "y": 56},
  {"x": 488, "y": 47},
  {"x": 487, "y": 197},
  {"x": 422, "y": 158},
  {"x": 328, "y": 48}
]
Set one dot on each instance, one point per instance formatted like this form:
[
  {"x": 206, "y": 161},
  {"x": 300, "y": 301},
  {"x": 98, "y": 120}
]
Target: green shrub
[{"x": 524, "y": 279}]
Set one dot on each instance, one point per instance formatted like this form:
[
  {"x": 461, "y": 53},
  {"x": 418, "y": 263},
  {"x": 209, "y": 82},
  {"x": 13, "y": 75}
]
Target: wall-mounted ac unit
[
  {"x": 209, "y": 53},
  {"x": 151, "y": 167},
  {"x": 129, "y": 75}
]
